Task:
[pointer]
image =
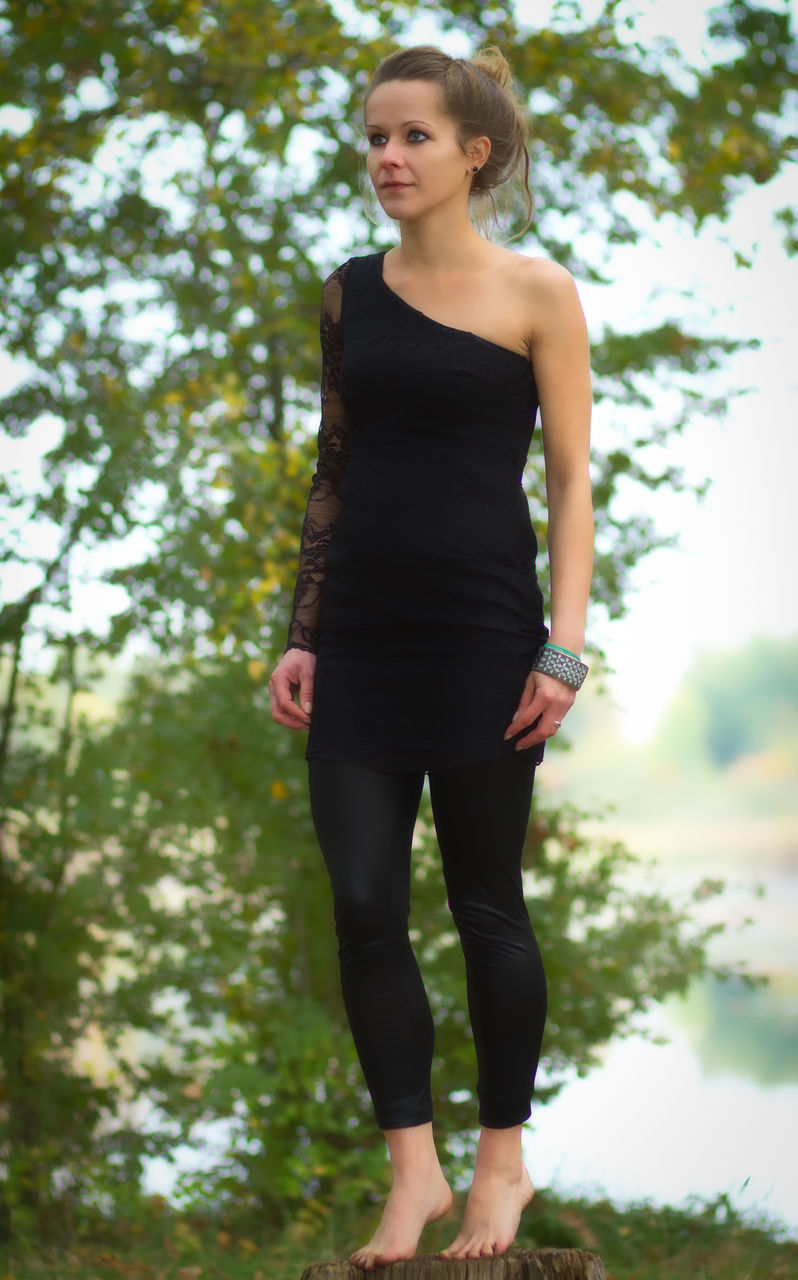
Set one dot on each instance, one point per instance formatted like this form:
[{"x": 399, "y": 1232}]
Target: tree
[
  {"x": 178, "y": 176},
  {"x": 738, "y": 702}
]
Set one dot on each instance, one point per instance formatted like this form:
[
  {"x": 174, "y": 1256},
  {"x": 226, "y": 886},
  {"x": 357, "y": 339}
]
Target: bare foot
[
  {"x": 493, "y": 1211},
  {"x": 414, "y": 1201}
]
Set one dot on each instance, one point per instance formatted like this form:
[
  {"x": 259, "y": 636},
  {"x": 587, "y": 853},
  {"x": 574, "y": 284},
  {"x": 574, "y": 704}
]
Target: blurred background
[{"x": 178, "y": 179}]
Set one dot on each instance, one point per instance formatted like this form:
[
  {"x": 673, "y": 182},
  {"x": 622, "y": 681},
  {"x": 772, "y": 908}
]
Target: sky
[{"x": 731, "y": 577}]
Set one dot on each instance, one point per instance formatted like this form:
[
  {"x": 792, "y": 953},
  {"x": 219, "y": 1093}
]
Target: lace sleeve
[{"x": 323, "y": 502}]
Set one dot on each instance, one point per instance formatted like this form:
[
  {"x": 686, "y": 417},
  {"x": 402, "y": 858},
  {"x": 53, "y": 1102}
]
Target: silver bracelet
[{"x": 552, "y": 662}]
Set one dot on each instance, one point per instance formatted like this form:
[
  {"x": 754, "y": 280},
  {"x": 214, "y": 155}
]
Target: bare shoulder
[
  {"x": 543, "y": 276},
  {"x": 547, "y": 294},
  {"x": 543, "y": 271},
  {"x": 535, "y": 281}
]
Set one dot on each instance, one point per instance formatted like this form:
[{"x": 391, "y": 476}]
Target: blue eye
[{"x": 414, "y": 135}]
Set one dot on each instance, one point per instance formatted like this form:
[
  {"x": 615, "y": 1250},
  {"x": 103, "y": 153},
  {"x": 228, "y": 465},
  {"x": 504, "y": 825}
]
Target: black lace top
[
  {"x": 416, "y": 585},
  {"x": 324, "y": 502}
]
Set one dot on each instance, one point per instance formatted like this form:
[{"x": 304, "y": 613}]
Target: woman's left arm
[{"x": 561, "y": 361}]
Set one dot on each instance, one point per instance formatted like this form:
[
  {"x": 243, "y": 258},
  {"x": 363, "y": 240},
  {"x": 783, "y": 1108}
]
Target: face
[{"x": 415, "y": 160}]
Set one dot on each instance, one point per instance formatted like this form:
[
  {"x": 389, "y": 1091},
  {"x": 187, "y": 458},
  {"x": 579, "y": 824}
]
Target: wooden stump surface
[{"x": 518, "y": 1264}]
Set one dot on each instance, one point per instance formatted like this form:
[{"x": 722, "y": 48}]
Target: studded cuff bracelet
[{"x": 553, "y": 662}]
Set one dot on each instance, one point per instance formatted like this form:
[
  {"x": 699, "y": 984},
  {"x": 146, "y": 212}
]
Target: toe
[{"x": 452, "y": 1251}]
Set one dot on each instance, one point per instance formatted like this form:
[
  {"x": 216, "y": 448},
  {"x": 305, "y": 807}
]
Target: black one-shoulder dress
[{"x": 416, "y": 585}]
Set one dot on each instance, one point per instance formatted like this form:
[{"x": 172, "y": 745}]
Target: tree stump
[{"x": 518, "y": 1264}]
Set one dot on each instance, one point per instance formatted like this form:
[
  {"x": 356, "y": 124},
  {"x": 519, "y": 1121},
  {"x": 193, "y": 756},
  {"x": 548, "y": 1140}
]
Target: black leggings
[{"x": 364, "y": 821}]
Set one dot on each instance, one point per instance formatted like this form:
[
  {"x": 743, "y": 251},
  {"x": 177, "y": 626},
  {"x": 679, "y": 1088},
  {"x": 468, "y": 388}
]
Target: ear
[{"x": 477, "y": 151}]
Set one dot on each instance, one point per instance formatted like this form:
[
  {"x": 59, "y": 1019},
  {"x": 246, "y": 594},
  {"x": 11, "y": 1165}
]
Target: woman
[{"x": 417, "y": 644}]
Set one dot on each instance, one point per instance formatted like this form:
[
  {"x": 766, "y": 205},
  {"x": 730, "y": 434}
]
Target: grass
[{"x": 641, "y": 1243}]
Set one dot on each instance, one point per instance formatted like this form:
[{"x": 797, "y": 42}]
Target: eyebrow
[{"x": 403, "y": 125}]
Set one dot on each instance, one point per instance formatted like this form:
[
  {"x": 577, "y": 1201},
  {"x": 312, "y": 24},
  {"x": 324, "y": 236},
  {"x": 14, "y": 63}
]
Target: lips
[{"x": 394, "y": 186}]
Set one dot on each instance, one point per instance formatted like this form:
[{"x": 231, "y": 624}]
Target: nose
[{"x": 390, "y": 156}]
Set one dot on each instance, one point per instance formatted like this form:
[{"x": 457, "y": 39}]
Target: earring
[{"x": 475, "y": 168}]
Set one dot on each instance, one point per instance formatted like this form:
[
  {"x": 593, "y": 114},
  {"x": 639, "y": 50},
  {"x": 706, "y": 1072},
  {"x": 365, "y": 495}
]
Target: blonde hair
[{"x": 477, "y": 94}]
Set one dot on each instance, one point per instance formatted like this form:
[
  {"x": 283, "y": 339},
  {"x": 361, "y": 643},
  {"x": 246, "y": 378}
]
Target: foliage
[
  {"x": 207, "y": 903},
  {"x": 177, "y": 177},
  {"x": 710, "y": 1240}
]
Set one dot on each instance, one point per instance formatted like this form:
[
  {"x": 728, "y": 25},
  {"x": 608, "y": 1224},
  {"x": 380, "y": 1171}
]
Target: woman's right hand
[{"x": 293, "y": 674}]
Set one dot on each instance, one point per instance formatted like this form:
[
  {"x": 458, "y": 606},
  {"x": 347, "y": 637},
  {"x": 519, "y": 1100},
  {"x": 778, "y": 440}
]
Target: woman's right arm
[{"x": 294, "y": 673}]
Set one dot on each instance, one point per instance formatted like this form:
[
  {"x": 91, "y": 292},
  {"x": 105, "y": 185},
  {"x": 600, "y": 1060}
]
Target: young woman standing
[{"x": 417, "y": 645}]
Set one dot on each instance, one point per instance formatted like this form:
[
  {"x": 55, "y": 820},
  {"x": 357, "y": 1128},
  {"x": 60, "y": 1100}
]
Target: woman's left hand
[{"x": 544, "y": 704}]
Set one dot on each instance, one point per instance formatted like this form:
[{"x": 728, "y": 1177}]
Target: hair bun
[{"x": 493, "y": 62}]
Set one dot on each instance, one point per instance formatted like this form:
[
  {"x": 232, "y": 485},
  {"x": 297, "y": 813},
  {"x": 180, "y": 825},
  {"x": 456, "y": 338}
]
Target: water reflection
[
  {"x": 736, "y": 1030},
  {"x": 713, "y": 1110},
  {"x": 652, "y": 1124}
]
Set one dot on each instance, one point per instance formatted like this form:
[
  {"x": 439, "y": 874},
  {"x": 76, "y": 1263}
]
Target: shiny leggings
[{"x": 364, "y": 821}]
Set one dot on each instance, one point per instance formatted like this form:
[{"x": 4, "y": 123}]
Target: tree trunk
[{"x": 518, "y": 1264}]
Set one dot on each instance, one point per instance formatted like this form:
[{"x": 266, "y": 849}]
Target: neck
[{"x": 440, "y": 243}]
